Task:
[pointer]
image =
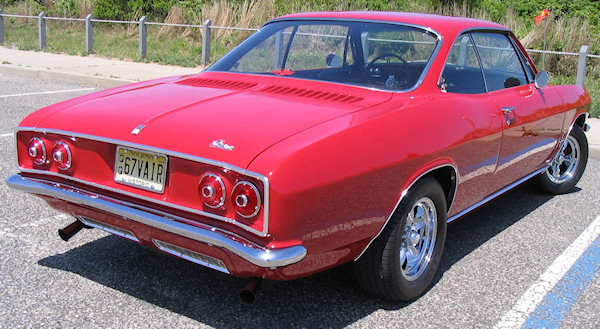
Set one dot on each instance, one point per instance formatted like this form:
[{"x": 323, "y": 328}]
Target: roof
[{"x": 438, "y": 23}]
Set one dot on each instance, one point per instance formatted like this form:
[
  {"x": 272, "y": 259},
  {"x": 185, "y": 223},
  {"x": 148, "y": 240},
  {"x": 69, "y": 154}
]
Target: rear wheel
[
  {"x": 567, "y": 166},
  {"x": 401, "y": 263}
]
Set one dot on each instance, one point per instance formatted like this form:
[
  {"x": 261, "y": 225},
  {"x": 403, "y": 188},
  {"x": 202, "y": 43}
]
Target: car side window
[
  {"x": 462, "y": 72},
  {"x": 501, "y": 64}
]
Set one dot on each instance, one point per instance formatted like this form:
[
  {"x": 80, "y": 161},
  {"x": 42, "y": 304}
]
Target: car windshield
[{"x": 374, "y": 55}]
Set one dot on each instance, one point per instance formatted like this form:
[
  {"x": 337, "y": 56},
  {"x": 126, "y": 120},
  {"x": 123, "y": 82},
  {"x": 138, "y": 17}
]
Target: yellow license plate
[{"x": 141, "y": 169}]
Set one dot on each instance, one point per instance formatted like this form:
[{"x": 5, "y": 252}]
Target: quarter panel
[{"x": 334, "y": 186}]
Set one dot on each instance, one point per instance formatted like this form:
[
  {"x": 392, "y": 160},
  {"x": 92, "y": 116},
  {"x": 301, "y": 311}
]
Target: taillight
[
  {"x": 246, "y": 199},
  {"x": 37, "y": 151},
  {"x": 212, "y": 190},
  {"x": 61, "y": 155}
]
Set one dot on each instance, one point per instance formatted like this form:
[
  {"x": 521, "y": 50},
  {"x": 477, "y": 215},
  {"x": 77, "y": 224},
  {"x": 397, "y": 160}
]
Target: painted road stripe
[
  {"x": 6, "y": 135},
  {"x": 47, "y": 92},
  {"x": 555, "y": 307},
  {"x": 530, "y": 300}
]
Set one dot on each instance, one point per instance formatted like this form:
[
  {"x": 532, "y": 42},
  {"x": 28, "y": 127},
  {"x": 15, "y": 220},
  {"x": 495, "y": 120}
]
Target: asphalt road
[{"x": 493, "y": 256}]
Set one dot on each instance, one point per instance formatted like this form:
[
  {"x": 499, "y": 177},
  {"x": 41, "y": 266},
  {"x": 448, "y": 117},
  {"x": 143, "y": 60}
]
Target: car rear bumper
[{"x": 260, "y": 256}]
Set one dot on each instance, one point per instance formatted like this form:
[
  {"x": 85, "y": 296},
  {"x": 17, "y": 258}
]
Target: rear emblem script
[
  {"x": 138, "y": 129},
  {"x": 220, "y": 144}
]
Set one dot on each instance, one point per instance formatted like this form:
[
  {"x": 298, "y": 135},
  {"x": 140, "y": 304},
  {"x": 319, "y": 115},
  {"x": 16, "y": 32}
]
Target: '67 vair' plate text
[{"x": 141, "y": 169}]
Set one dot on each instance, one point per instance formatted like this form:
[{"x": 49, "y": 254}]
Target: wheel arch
[
  {"x": 446, "y": 174},
  {"x": 580, "y": 120}
]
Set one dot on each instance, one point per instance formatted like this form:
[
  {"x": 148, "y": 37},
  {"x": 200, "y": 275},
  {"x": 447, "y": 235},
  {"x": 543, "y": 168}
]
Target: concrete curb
[{"x": 64, "y": 76}]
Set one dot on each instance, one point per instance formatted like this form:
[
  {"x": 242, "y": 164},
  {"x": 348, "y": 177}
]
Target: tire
[
  {"x": 567, "y": 166},
  {"x": 390, "y": 267}
]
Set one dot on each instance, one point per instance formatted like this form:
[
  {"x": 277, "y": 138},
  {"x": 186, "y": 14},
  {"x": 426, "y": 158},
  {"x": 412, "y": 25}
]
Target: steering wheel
[
  {"x": 386, "y": 76},
  {"x": 384, "y": 56}
]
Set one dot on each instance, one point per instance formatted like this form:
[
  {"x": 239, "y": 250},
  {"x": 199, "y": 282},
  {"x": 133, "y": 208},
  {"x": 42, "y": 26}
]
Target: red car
[{"x": 323, "y": 139}]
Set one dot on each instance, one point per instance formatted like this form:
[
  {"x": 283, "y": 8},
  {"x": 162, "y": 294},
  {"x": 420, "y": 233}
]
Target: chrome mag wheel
[
  {"x": 418, "y": 239},
  {"x": 565, "y": 164}
]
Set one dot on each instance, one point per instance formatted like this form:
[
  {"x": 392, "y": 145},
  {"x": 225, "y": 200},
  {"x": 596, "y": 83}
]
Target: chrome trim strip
[
  {"x": 403, "y": 194},
  {"x": 497, "y": 194},
  {"x": 116, "y": 142},
  {"x": 251, "y": 252},
  {"x": 108, "y": 228},
  {"x": 192, "y": 256}
]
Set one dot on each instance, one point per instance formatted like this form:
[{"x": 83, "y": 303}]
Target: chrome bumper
[{"x": 257, "y": 255}]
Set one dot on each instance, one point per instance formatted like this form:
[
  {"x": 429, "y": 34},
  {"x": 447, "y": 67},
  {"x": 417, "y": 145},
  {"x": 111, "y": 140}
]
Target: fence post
[
  {"x": 582, "y": 65},
  {"x": 142, "y": 45},
  {"x": 206, "y": 42},
  {"x": 1, "y": 27},
  {"x": 42, "y": 30},
  {"x": 89, "y": 34}
]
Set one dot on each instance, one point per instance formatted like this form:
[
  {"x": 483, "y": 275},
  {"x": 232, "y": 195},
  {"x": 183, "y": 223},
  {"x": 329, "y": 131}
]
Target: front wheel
[
  {"x": 401, "y": 263},
  {"x": 567, "y": 166}
]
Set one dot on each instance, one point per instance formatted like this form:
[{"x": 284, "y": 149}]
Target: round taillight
[
  {"x": 212, "y": 190},
  {"x": 61, "y": 155},
  {"x": 37, "y": 151},
  {"x": 246, "y": 199}
]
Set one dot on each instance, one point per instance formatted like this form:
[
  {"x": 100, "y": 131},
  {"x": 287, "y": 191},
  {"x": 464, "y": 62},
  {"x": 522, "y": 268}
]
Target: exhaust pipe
[
  {"x": 248, "y": 294},
  {"x": 72, "y": 229}
]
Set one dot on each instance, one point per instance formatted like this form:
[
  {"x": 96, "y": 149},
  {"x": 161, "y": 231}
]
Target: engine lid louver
[
  {"x": 314, "y": 94},
  {"x": 215, "y": 83}
]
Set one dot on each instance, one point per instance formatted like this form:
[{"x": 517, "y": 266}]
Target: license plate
[{"x": 141, "y": 169}]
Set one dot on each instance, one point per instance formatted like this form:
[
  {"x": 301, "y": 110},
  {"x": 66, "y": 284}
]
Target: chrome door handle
[
  {"x": 509, "y": 115},
  {"x": 508, "y": 109}
]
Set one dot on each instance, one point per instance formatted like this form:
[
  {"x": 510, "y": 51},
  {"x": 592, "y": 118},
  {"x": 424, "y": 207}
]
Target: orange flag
[{"x": 541, "y": 16}]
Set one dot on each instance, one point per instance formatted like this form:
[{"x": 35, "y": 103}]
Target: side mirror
[
  {"x": 333, "y": 60},
  {"x": 541, "y": 79}
]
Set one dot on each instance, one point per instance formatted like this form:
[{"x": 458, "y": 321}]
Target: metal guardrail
[{"x": 583, "y": 53}]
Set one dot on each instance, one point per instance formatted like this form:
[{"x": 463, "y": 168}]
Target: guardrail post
[
  {"x": 206, "y": 42},
  {"x": 1, "y": 27},
  {"x": 89, "y": 34},
  {"x": 42, "y": 30},
  {"x": 582, "y": 65},
  {"x": 143, "y": 37}
]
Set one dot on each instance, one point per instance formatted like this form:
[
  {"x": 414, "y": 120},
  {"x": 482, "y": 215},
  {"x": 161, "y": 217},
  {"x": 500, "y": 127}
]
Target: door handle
[
  {"x": 509, "y": 114},
  {"x": 508, "y": 109}
]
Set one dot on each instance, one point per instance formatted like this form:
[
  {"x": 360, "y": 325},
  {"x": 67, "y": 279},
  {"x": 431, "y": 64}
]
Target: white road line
[
  {"x": 47, "y": 92},
  {"x": 528, "y": 302},
  {"x": 6, "y": 135}
]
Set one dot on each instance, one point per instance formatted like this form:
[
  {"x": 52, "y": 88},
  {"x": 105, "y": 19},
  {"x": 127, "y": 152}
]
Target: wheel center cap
[{"x": 415, "y": 237}]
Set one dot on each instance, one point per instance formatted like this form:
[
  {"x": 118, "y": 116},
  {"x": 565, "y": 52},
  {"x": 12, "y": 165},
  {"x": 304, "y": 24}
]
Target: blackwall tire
[
  {"x": 401, "y": 263},
  {"x": 568, "y": 166}
]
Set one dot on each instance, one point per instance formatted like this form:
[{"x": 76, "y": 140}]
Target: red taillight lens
[
  {"x": 61, "y": 155},
  {"x": 246, "y": 199},
  {"x": 212, "y": 190},
  {"x": 37, "y": 151}
]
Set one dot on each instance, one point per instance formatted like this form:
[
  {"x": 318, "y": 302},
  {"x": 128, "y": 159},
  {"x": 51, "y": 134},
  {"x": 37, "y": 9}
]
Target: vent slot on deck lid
[
  {"x": 310, "y": 93},
  {"x": 215, "y": 83}
]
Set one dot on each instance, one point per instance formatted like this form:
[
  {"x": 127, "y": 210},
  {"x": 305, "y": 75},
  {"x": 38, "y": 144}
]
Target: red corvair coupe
[{"x": 324, "y": 138}]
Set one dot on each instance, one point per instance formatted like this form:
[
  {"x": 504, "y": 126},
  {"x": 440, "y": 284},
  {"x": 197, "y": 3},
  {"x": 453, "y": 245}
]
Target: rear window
[{"x": 386, "y": 56}]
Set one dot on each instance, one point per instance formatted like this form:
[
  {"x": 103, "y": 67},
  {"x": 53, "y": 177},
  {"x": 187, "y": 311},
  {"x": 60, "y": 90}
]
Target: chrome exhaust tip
[
  {"x": 248, "y": 294},
  {"x": 70, "y": 230}
]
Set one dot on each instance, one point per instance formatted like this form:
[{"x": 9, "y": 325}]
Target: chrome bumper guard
[{"x": 257, "y": 255}]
